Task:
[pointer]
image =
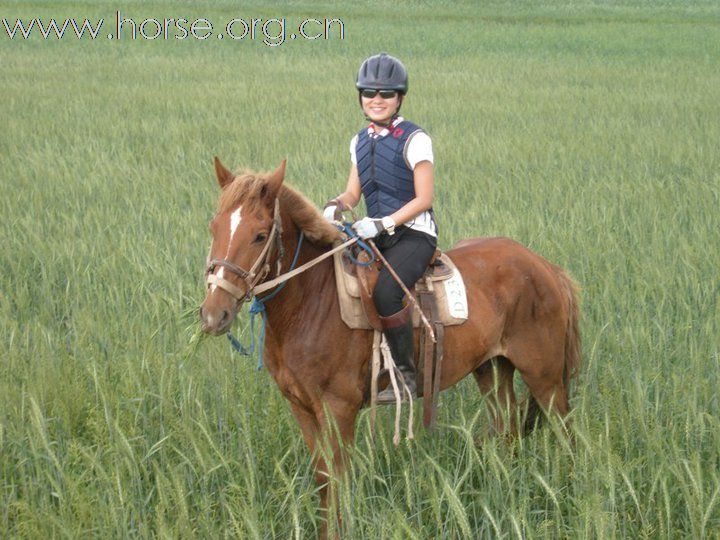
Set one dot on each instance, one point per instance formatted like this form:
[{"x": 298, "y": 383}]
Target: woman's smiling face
[{"x": 380, "y": 109}]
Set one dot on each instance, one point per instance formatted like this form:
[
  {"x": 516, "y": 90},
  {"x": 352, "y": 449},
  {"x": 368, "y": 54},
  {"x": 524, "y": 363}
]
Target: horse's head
[{"x": 245, "y": 231}]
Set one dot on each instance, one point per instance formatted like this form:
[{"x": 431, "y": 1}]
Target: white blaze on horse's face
[{"x": 235, "y": 219}]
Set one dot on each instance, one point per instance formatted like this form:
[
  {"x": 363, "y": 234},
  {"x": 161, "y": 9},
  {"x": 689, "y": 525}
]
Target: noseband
[{"x": 259, "y": 270}]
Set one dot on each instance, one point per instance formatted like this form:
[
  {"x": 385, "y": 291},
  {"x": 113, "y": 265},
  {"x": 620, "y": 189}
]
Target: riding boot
[{"x": 398, "y": 332}]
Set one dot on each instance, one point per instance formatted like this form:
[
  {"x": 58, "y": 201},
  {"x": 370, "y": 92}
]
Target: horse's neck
[{"x": 296, "y": 311}]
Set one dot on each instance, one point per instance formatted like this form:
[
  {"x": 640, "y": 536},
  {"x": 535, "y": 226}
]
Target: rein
[{"x": 291, "y": 273}]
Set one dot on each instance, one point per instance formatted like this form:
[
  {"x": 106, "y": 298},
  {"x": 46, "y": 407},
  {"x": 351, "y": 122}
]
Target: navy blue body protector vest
[{"x": 386, "y": 179}]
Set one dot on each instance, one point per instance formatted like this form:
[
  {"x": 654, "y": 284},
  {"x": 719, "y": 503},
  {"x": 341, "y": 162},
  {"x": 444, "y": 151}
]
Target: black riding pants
[{"x": 409, "y": 252}]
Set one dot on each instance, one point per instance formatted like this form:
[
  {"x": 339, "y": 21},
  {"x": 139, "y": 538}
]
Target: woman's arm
[{"x": 351, "y": 196}]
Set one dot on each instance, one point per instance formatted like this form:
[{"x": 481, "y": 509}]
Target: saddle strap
[
  {"x": 427, "y": 354},
  {"x": 439, "y": 336},
  {"x": 431, "y": 354}
]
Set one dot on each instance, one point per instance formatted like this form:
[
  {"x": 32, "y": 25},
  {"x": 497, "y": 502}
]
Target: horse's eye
[{"x": 260, "y": 238}]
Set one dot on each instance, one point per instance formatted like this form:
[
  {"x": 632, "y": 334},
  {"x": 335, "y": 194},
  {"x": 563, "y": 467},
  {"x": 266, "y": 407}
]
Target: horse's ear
[
  {"x": 272, "y": 188},
  {"x": 224, "y": 176}
]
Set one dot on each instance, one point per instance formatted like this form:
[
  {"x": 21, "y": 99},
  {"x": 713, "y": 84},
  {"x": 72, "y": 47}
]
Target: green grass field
[{"x": 587, "y": 131}]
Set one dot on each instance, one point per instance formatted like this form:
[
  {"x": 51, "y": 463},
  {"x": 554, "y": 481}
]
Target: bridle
[{"x": 260, "y": 268}]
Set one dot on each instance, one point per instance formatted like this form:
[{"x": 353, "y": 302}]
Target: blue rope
[
  {"x": 351, "y": 233},
  {"x": 258, "y": 306}
]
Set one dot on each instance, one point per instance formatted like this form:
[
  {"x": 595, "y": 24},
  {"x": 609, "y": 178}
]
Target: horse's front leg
[
  {"x": 336, "y": 436},
  {"x": 328, "y": 434},
  {"x": 311, "y": 433}
]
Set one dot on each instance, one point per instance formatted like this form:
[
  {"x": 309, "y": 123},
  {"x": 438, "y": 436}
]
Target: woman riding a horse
[
  {"x": 523, "y": 313},
  {"x": 392, "y": 167}
]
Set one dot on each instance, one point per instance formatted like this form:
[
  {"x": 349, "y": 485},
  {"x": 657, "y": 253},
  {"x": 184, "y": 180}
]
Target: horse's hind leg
[
  {"x": 495, "y": 380},
  {"x": 541, "y": 367}
]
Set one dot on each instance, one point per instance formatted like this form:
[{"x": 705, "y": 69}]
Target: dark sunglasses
[{"x": 370, "y": 93}]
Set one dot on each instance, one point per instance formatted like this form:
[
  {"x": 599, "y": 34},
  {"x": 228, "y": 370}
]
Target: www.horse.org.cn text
[{"x": 271, "y": 32}]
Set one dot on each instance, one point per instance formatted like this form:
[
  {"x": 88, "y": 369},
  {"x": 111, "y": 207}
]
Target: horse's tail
[
  {"x": 570, "y": 290},
  {"x": 571, "y": 362}
]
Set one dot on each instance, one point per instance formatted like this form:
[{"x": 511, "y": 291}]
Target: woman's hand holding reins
[
  {"x": 370, "y": 228},
  {"x": 333, "y": 210}
]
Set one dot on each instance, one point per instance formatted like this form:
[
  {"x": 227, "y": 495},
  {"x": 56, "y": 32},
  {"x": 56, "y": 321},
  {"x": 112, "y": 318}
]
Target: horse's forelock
[{"x": 247, "y": 189}]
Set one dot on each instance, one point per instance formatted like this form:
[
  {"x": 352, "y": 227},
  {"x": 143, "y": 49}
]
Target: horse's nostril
[
  {"x": 224, "y": 316},
  {"x": 202, "y": 315}
]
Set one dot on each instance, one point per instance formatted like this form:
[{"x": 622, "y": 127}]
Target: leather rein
[{"x": 261, "y": 267}]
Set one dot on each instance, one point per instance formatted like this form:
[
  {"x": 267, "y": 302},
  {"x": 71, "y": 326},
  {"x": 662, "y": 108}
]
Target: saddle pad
[
  {"x": 450, "y": 296},
  {"x": 348, "y": 287}
]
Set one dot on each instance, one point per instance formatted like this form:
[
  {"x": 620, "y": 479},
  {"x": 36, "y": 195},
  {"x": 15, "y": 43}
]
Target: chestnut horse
[{"x": 523, "y": 315}]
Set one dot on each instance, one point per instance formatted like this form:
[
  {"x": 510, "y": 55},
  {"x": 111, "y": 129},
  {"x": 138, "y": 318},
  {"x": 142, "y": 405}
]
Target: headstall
[{"x": 259, "y": 270}]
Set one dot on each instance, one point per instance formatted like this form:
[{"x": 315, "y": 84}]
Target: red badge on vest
[{"x": 397, "y": 132}]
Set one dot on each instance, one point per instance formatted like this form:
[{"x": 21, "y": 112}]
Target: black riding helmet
[{"x": 382, "y": 72}]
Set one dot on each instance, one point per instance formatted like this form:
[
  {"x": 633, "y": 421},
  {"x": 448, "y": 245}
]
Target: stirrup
[{"x": 387, "y": 396}]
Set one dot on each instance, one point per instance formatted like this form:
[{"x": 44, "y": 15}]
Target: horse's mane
[{"x": 248, "y": 189}]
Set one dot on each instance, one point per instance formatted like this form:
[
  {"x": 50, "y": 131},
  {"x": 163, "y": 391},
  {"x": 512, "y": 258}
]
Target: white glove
[
  {"x": 333, "y": 210},
  {"x": 329, "y": 213},
  {"x": 370, "y": 228}
]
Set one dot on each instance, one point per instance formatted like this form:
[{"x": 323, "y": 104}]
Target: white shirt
[{"x": 417, "y": 148}]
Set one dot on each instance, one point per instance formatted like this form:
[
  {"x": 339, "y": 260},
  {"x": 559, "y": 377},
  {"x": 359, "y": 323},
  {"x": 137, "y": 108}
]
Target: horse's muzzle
[{"x": 216, "y": 322}]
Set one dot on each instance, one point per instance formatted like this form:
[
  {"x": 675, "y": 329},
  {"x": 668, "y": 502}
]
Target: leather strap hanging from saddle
[{"x": 429, "y": 360}]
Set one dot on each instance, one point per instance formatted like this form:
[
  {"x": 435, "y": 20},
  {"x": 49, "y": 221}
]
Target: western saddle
[{"x": 355, "y": 283}]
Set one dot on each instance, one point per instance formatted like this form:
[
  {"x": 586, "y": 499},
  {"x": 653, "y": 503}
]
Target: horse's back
[
  {"x": 507, "y": 273},
  {"x": 495, "y": 243},
  {"x": 497, "y": 254}
]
